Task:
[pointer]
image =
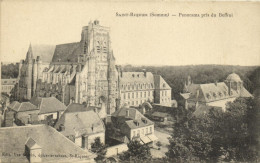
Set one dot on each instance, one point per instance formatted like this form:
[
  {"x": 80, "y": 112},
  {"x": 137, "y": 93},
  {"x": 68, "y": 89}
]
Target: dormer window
[
  {"x": 208, "y": 96},
  {"x": 144, "y": 120},
  {"x": 220, "y": 94},
  {"x": 136, "y": 123}
]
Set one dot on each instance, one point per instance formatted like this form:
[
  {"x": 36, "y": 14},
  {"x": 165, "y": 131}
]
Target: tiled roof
[
  {"x": 66, "y": 52},
  {"x": 13, "y": 139},
  {"x": 48, "y": 104},
  {"x": 9, "y": 81},
  {"x": 44, "y": 51},
  {"x": 78, "y": 123},
  {"x": 21, "y": 107},
  {"x": 135, "y": 119}
]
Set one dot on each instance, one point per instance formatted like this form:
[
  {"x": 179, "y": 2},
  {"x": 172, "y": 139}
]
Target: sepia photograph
[{"x": 129, "y": 81}]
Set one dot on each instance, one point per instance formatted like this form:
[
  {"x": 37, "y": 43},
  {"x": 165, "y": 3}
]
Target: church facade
[{"x": 85, "y": 72}]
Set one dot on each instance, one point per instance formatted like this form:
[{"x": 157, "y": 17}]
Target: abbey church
[{"x": 86, "y": 72}]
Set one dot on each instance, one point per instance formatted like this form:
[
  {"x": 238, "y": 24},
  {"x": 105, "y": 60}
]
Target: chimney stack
[
  {"x": 144, "y": 70},
  {"x": 62, "y": 127}
]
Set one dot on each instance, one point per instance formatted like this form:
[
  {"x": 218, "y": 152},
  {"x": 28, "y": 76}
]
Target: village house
[
  {"x": 7, "y": 85},
  {"x": 38, "y": 110},
  {"x": 132, "y": 124},
  {"x": 81, "y": 124},
  {"x": 39, "y": 143}
]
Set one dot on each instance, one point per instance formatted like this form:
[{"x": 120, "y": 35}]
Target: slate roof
[
  {"x": 66, "y": 52},
  {"x": 13, "y": 139},
  {"x": 81, "y": 122},
  {"x": 22, "y": 107},
  {"x": 214, "y": 91},
  {"x": 48, "y": 104},
  {"x": 44, "y": 51},
  {"x": 210, "y": 92},
  {"x": 9, "y": 81},
  {"x": 134, "y": 117},
  {"x": 137, "y": 77}
]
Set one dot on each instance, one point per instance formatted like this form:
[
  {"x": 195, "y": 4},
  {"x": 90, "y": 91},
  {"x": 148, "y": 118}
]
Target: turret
[
  {"x": 29, "y": 60},
  {"x": 35, "y": 76}
]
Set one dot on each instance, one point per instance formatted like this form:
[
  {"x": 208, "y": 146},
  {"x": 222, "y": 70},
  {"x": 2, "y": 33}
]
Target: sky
[{"x": 173, "y": 40}]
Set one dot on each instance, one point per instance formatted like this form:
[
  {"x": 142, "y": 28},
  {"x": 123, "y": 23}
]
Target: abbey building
[{"x": 86, "y": 72}]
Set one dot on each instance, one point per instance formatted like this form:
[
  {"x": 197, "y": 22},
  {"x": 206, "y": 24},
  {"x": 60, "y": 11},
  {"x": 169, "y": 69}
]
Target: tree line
[{"x": 176, "y": 76}]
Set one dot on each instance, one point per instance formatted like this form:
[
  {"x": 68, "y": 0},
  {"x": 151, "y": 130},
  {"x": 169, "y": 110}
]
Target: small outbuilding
[{"x": 160, "y": 116}]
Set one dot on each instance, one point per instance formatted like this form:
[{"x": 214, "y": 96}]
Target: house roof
[
  {"x": 22, "y": 107},
  {"x": 12, "y": 81},
  {"x": 75, "y": 107},
  {"x": 210, "y": 92},
  {"x": 135, "y": 119},
  {"x": 48, "y": 104},
  {"x": 80, "y": 122},
  {"x": 160, "y": 114},
  {"x": 14, "y": 139},
  {"x": 66, "y": 52},
  {"x": 136, "y": 77},
  {"x": 14, "y": 105},
  {"x": 185, "y": 95}
]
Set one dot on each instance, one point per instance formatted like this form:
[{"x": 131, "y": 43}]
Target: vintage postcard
[{"x": 129, "y": 81}]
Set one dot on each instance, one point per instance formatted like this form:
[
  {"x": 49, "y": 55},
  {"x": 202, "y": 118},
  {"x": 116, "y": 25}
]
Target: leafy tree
[
  {"x": 218, "y": 136},
  {"x": 136, "y": 152},
  {"x": 191, "y": 140},
  {"x": 9, "y": 71},
  {"x": 236, "y": 131},
  {"x": 99, "y": 148}
]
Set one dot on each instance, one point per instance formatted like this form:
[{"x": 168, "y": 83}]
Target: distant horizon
[{"x": 133, "y": 65}]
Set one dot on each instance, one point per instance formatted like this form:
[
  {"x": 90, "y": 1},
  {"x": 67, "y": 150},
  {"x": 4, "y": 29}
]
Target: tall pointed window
[{"x": 85, "y": 48}]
